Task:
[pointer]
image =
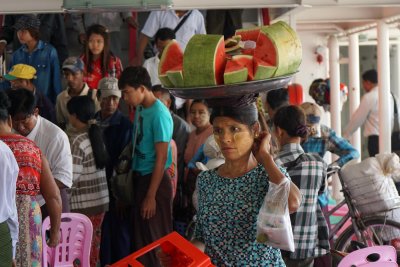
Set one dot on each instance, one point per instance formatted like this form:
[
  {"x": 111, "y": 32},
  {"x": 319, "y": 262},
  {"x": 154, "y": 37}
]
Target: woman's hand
[
  {"x": 164, "y": 258},
  {"x": 54, "y": 238},
  {"x": 262, "y": 146},
  {"x": 148, "y": 207}
]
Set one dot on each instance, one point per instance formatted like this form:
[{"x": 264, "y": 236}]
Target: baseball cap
[
  {"x": 27, "y": 22},
  {"x": 108, "y": 86},
  {"x": 73, "y": 64},
  {"x": 21, "y": 71},
  {"x": 313, "y": 117}
]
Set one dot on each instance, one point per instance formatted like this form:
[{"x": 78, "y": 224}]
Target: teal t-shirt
[{"x": 154, "y": 125}]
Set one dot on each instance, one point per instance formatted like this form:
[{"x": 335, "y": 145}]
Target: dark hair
[
  {"x": 134, "y": 77},
  {"x": 278, "y": 98},
  {"x": 22, "y": 101},
  {"x": 84, "y": 109},
  {"x": 166, "y": 95},
  {"x": 370, "y": 75},
  {"x": 242, "y": 109},
  {"x": 4, "y": 106},
  {"x": 34, "y": 33},
  {"x": 158, "y": 88},
  {"x": 201, "y": 101},
  {"x": 291, "y": 119},
  {"x": 106, "y": 54},
  {"x": 164, "y": 34}
]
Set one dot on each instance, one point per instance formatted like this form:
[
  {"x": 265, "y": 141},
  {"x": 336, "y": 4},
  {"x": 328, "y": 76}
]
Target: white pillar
[
  {"x": 385, "y": 129},
  {"x": 335, "y": 84},
  {"x": 334, "y": 74},
  {"x": 354, "y": 85},
  {"x": 396, "y": 87}
]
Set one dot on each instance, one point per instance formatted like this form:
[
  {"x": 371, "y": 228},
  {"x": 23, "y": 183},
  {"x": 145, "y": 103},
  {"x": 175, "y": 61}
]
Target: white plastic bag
[{"x": 273, "y": 221}]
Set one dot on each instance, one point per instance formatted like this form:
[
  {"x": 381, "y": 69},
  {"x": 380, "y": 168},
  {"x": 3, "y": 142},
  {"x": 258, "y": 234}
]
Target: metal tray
[{"x": 236, "y": 89}]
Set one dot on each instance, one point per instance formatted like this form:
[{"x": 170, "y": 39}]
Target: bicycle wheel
[{"x": 377, "y": 231}]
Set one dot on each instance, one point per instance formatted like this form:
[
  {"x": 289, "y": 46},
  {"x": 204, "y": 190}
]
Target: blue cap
[{"x": 73, "y": 64}]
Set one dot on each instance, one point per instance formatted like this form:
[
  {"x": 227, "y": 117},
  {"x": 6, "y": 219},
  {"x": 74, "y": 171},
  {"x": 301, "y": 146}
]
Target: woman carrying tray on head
[{"x": 231, "y": 196}]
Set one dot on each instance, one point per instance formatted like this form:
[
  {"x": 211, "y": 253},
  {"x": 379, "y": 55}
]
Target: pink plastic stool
[
  {"x": 76, "y": 232},
  {"x": 385, "y": 256}
]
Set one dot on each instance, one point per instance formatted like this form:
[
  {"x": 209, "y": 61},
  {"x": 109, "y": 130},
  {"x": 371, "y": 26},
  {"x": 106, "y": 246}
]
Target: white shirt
[
  {"x": 54, "y": 144},
  {"x": 161, "y": 19},
  {"x": 151, "y": 65},
  {"x": 8, "y": 182},
  {"x": 367, "y": 113},
  {"x": 64, "y": 97}
]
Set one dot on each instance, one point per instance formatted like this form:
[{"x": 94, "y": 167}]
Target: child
[
  {"x": 99, "y": 60},
  {"x": 38, "y": 54},
  {"x": 153, "y": 128},
  {"x": 89, "y": 191}
]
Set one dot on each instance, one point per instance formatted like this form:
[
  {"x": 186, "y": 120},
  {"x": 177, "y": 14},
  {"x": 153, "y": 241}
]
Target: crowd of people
[{"x": 59, "y": 148}]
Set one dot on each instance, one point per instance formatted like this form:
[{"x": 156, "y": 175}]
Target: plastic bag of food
[{"x": 273, "y": 221}]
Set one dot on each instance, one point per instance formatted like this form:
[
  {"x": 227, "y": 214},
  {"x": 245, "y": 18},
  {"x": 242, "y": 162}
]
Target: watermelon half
[
  {"x": 171, "y": 58},
  {"x": 204, "y": 61},
  {"x": 279, "y": 45}
]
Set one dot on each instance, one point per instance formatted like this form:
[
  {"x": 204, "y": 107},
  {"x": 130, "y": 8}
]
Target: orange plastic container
[{"x": 183, "y": 253}]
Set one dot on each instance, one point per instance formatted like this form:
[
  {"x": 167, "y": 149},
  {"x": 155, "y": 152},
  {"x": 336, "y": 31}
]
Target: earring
[{"x": 256, "y": 135}]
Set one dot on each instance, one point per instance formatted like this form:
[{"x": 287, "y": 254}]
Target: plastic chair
[
  {"x": 384, "y": 256},
  {"x": 76, "y": 232},
  {"x": 183, "y": 253}
]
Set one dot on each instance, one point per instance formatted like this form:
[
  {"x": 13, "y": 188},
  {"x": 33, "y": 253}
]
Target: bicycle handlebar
[{"x": 332, "y": 169}]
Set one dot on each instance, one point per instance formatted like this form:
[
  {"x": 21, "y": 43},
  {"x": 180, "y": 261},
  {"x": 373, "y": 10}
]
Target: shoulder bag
[{"x": 122, "y": 182}]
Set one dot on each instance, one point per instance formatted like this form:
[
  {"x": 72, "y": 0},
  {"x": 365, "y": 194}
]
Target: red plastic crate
[{"x": 183, "y": 253}]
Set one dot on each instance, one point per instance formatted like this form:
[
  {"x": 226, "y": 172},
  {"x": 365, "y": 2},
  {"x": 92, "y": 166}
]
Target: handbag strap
[
  {"x": 182, "y": 21},
  {"x": 396, "y": 126},
  {"x": 136, "y": 130}
]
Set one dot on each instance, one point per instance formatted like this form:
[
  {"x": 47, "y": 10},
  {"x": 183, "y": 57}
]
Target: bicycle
[{"x": 367, "y": 230}]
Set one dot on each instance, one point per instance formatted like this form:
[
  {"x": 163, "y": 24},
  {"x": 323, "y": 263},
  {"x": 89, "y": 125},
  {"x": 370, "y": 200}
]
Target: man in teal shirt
[{"x": 152, "y": 156}]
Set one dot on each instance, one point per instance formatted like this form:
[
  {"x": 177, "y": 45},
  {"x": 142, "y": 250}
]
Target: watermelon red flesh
[
  {"x": 204, "y": 61},
  {"x": 248, "y": 34},
  {"x": 171, "y": 57},
  {"x": 245, "y": 61},
  {"x": 265, "y": 50}
]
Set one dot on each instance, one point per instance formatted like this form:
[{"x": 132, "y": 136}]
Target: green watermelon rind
[
  {"x": 176, "y": 78},
  {"x": 237, "y": 76},
  {"x": 264, "y": 72},
  {"x": 165, "y": 81},
  {"x": 199, "y": 58},
  {"x": 287, "y": 45}
]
